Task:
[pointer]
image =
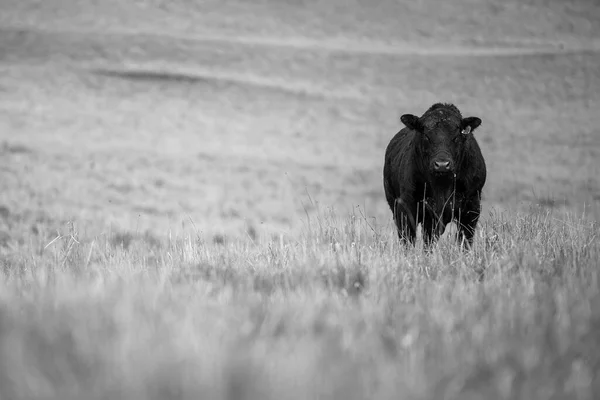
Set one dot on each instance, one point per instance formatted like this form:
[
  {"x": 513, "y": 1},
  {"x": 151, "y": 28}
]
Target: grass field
[{"x": 191, "y": 200}]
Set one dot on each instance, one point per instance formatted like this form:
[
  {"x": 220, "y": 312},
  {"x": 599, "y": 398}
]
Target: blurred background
[{"x": 237, "y": 116}]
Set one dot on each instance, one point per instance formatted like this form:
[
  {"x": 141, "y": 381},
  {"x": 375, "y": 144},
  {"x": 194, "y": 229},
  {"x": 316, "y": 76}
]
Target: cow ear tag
[{"x": 466, "y": 131}]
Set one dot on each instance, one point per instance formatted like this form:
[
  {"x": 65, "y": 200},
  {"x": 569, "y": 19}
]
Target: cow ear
[
  {"x": 411, "y": 121},
  {"x": 469, "y": 124}
]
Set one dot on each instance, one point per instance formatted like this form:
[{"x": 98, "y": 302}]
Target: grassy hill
[
  {"x": 149, "y": 124},
  {"x": 192, "y": 200},
  {"x": 339, "y": 312}
]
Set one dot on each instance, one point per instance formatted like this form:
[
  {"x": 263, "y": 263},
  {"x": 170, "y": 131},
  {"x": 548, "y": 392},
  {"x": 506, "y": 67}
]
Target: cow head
[{"x": 441, "y": 137}]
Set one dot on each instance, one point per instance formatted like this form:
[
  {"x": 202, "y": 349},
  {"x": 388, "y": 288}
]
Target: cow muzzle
[{"x": 442, "y": 166}]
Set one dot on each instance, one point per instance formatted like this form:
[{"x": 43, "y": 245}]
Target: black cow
[{"x": 433, "y": 173}]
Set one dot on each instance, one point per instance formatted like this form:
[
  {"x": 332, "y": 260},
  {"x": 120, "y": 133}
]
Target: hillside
[{"x": 191, "y": 200}]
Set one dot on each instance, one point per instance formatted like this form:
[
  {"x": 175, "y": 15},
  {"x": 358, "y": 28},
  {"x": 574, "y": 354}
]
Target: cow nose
[{"x": 442, "y": 165}]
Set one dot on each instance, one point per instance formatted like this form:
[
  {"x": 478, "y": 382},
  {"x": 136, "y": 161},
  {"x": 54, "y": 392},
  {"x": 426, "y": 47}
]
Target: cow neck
[{"x": 440, "y": 194}]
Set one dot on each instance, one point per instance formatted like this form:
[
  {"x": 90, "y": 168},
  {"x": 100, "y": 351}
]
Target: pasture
[{"x": 191, "y": 200}]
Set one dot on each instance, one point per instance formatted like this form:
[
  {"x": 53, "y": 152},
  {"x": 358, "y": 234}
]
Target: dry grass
[
  {"x": 339, "y": 312},
  {"x": 166, "y": 170}
]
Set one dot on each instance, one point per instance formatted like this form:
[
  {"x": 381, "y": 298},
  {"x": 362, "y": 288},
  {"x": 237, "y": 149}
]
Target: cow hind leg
[
  {"x": 405, "y": 223},
  {"x": 405, "y": 232}
]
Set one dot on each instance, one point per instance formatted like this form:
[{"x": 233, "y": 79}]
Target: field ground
[
  {"x": 339, "y": 312},
  {"x": 203, "y": 179}
]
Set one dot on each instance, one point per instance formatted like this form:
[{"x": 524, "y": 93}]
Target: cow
[{"x": 434, "y": 173}]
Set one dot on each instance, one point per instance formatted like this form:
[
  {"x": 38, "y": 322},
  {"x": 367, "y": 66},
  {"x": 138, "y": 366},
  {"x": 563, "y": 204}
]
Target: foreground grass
[{"x": 341, "y": 312}]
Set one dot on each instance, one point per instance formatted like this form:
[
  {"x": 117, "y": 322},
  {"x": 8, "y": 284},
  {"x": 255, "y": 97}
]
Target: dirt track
[{"x": 507, "y": 48}]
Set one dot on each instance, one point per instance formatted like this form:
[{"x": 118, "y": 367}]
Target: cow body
[{"x": 434, "y": 172}]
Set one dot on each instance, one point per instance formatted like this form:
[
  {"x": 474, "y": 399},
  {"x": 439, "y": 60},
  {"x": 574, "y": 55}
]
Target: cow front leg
[
  {"x": 433, "y": 228},
  {"x": 467, "y": 221}
]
